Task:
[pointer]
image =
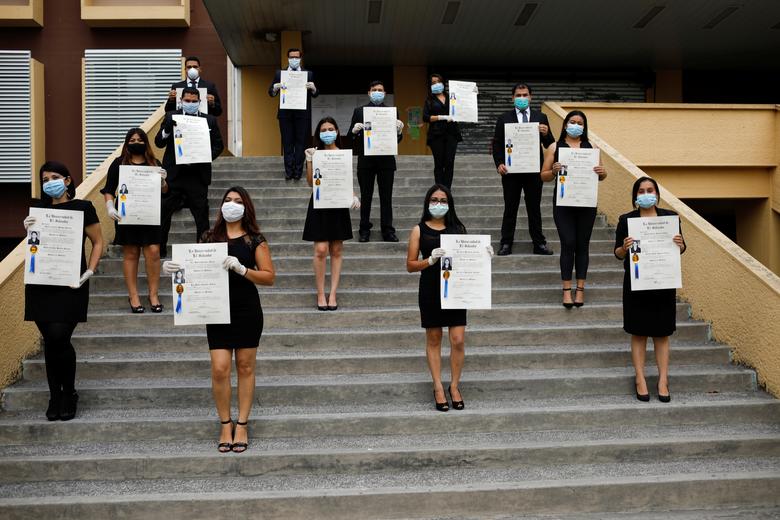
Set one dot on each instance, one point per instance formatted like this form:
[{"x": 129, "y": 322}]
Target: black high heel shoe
[
  {"x": 226, "y": 447},
  {"x": 664, "y": 398},
  {"x": 241, "y": 447},
  {"x": 582, "y": 290},
  {"x": 567, "y": 305},
  {"x": 155, "y": 308},
  {"x": 135, "y": 310},
  {"x": 642, "y": 397},
  {"x": 442, "y": 407},
  {"x": 458, "y": 405}
]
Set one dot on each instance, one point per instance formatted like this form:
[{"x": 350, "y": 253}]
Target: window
[{"x": 16, "y": 107}]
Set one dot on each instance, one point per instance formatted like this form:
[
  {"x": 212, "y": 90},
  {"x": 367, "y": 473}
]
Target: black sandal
[
  {"x": 567, "y": 305},
  {"x": 458, "y": 405},
  {"x": 225, "y": 447},
  {"x": 582, "y": 290},
  {"x": 135, "y": 310},
  {"x": 155, "y": 308},
  {"x": 242, "y": 446},
  {"x": 442, "y": 407}
]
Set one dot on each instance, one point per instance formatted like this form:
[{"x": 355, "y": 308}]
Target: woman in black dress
[
  {"x": 249, "y": 264},
  {"x": 438, "y": 217},
  {"x": 327, "y": 228},
  {"x": 647, "y": 313},
  {"x": 133, "y": 238},
  {"x": 575, "y": 224},
  {"x": 443, "y": 132},
  {"x": 56, "y": 310}
]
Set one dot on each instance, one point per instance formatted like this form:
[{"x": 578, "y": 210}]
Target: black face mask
[{"x": 137, "y": 148}]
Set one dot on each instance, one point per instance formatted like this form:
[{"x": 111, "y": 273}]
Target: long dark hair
[
  {"x": 441, "y": 79},
  {"x": 151, "y": 160},
  {"x": 584, "y": 136},
  {"x": 317, "y": 141},
  {"x": 451, "y": 221},
  {"x": 249, "y": 221},
  {"x": 56, "y": 167},
  {"x": 635, "y": 190}
]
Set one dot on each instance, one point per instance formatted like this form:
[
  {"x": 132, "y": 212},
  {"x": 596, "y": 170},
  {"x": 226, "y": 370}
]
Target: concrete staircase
[{"x": 344, "y": 424}]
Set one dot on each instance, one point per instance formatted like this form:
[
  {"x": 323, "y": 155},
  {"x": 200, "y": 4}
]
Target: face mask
[
  {"x": 136, "y": 148},
  {"x": 190, "y": 108},
  {"x": 521, "y": 103},
  {"x": 437, "y": 88},
  {"x": 377, "y": 97},
  {"x": 646, "y": 200},
  {"x": 438, "y": 210},
  {"x": 232, "y": 211},
  {"x": 193, "y": 74},
  {"x": 55, "y": 188},
  {"x": 574, "y": 130},
  {"x": 294, "y": 62},
  {"x": 328, "y": 137}
]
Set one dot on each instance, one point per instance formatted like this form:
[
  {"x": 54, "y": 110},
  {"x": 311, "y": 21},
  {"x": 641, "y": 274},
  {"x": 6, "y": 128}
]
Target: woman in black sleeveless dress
[
  {"x": 249, "y": 263},
  {"x": 575, "y": 224},
  {"x": 134, "y": 238},
  {"x": 647, "y": 314},
  {"x": 55, "y": 309}
]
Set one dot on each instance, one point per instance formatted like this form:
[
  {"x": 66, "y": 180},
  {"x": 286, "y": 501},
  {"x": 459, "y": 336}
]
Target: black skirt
[
  {"x": 136, "y": 235},
  {"x": 326, "y": 225}
]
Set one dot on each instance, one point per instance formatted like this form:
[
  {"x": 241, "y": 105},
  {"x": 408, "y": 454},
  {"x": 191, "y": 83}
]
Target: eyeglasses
[{"x": 434, "y": 200}]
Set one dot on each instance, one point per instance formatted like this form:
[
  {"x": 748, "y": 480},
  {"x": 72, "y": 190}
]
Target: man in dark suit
[
  {"x": 188, "y": 184},
  {"x": 379, "y": 167},
  {"x": 515, "y": 183},
  {"x": 294, "y": 125},
  {"x": 192, "y": 66}
]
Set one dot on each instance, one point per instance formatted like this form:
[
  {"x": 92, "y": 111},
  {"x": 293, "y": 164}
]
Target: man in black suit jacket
[
  {"x": 294, "y": 125},
  {"x": 379, "y": 167},
  {"x": 192, "y": 66},
  {"x": 515, "y": 183},
  {"x": 188, "y": 184}
]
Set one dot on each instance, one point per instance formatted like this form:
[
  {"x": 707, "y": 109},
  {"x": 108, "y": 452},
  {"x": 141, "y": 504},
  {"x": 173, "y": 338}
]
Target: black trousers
[
  {"x": 192, "y": 194},
  {"x": 384, "y": 179},
  {"x": 294, "y": 132},
  {"x": 443, "y": 149},
  {"x": 60, "y": 355},
  {"x": 514, "y": 184},
  {"x": 575, "y": 225}
]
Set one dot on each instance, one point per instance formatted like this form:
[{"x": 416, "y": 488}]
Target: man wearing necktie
[
  {"x": 515, "y": 183},
  {"x": 193, "y": 68}
]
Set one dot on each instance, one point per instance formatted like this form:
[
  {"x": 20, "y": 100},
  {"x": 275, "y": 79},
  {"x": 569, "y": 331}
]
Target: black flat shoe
[
  {"x": 136, "y": 310},
  {"x": 567, "y": 305},
  {"x": 240, "y": 447},
  {"x": 390, "y": 237},
  {"x": 542, "y": 250},
  {"x": 442, "y": 407},
  {"x": 364, "y": 237},
  {"x": 226, "y": 447},
  {"x": 53, "y": 411},
  {"x": 69, "y": 406},
  {"x": 458, "y": 405},
  {"x": 582, "y": 290},
  {"x": 155, "y": 308},
  {"x": 504, "y": 250}
]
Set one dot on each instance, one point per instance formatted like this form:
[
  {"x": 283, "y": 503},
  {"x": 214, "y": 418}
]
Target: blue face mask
[
  {"x": 437, "y": 88},
  {"x": 295, "y": 63},
  {"x": 328, "y": 137},
  {"x": 55, "y": 188},
  {"x": 190, "y": 107},
  {"x": 438, "y": 210},
  {"x": 646, "y": 200},
  {"x": 377, "y": 97},
  {"x": 521, "y": 103},
  {"x": 574, "y": 130}
]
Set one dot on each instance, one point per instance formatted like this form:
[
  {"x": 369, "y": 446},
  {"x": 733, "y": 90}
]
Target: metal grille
[
  {"x": 15, "y": 107},
  {"x": 122, "y": 89}
]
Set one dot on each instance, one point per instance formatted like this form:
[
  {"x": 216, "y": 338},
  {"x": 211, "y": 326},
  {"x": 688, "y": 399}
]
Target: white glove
[
  {"x": 277, "y": 86},
  {"x": 29, "y": 221},
  {"x": 435, "y": 255},
  {"x": 399, "y": 125},
  {"x": 476, "y": 90},
  {"x": 490, "y": 251},
  {"x": 163, "y": 173},
  {"x": 112, "y": 212},
  {"x": 231, "y": 263},
  {"x": 446, "y": 118},
  {"x": 357, "y": 128},
  {"x": 170, "y": 267},
  {"x": 355, "y": 202},
  {"x": 84, "y": 277},
  {"x": 309, "y": 152},
  {"x": 310, "y": 86}
]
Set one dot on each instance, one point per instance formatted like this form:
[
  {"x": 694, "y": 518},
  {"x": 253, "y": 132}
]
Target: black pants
[
  {"x": 384, "y": 179},
  {"x": 575, "y": 225},
  {"x": 514, "y": 184},
  {"x": 60, "y": 355},
  {"x": 294, "y": 132},
  {"x": 192, "y": 194},
  {"x": 443, "y": 149}
]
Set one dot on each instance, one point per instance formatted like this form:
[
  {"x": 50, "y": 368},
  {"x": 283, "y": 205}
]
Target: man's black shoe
[
  {"x": 504, "y": 250},
  {"x": 364, "y": 237},
  {"x": 390, "y": 237},
  {"x": 542, "y": 250}
]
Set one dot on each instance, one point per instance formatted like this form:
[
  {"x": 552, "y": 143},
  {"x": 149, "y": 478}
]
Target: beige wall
[
  {"x": 724, "y": 285},
  {"x": 259, "y": 126},
  {"x": 38, "y": 116},
  {"x": 21, "y": 13},
  {"x": 409, "y": 84}
]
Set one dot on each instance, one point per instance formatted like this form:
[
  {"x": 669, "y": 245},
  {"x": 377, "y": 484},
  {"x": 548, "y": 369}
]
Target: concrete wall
[{"x": 723, "y": 284}]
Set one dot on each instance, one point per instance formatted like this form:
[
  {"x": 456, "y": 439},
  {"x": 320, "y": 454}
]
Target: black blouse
[{"x": 434, "y": 107}]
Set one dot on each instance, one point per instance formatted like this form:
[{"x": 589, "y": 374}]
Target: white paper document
[
  {"x": 204, "y": 100},
  {"x": 521, "y": 147},
  {"x": 138, "y": 199},
  {"x": 54, "y": 245},
  {"x": 332, "y": 179},
  {"x": 465, "y": 272},
  {"x": 380, "y": 135},
  {"x": 292, "y": 95},
  {"x": 654, "y": 258},
  {"x": 192, "y": 139},
  {"x": 578, "y": 184},
  {"x": 463, "y": 101},
  {"x": 201, "y": 293}
]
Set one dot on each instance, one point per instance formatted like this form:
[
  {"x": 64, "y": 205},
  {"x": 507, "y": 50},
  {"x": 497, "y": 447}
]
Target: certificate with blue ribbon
[
  {"x": 332, "y": 179},
  {"x": 140, "y": 195},
  {"x": 54, "y": 243},
  {"x": 465, "y": 272},
  {"x": 654, "y": 258},
  {"x": 201, "y": 291}
]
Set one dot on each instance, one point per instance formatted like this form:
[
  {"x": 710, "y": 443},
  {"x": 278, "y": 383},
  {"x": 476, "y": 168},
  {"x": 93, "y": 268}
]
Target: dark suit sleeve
[
  {"x": 216, "y": 138},
  {"x": 548, "y": 139},
  {"x": 317, "y": 91},
  {"x": 159, "y": 141},
  {"x": 216, "y": 110},
  {"x": 170, "y": 104},
  {"x": 277, "y": 79},
  {"x": 498, "y": 142}
]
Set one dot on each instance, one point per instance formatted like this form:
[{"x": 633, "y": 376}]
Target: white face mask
[
  {"x": 193, "y": 74},
  {"x": 232, "y": 211}
]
